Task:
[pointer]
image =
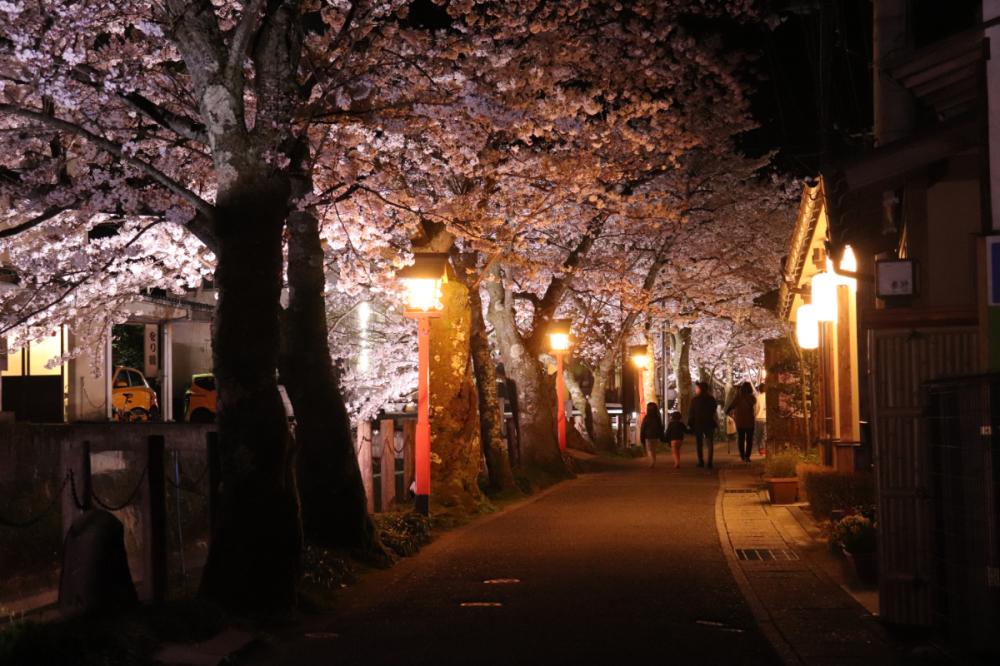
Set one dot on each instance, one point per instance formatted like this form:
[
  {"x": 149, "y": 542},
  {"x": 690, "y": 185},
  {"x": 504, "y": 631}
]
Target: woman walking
[
  {"x": 651, "y": 431},
  {"x": 744, "y": 411}
]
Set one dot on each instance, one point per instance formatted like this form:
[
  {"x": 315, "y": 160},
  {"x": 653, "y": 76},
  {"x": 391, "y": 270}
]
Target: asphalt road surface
[{"x": 621, "y": 564}]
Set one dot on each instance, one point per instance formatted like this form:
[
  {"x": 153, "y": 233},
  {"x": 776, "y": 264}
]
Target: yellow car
[
  {"x": 199, "y": 399},
  {"x": 131, "y": 397}
]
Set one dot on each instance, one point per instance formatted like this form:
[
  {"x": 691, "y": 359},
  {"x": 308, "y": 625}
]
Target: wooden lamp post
[
  {"x": 423, "y": 282},
  {"x": 559, "y": 343}
]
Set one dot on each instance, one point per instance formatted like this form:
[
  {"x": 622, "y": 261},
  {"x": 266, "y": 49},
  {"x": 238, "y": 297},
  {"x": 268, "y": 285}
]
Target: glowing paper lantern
[
  {"x": 807, "y": 326},
  {"x": 824, "y": 295}
]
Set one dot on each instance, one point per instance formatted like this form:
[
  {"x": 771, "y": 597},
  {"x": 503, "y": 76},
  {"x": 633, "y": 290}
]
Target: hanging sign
[{"x": 151, "y": 350}]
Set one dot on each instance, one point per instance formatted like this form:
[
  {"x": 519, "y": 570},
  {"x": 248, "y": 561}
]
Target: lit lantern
[
  {"x": 559, "y": 342},
  {"x": 807, "y": 326},
  {"x": 849, "y": 264},
  {"x": 559, "y": 335},
  {"x": 848, "y": 261},
  {"x": 824, "y": 294},
  {"x": 639, "y": 355},
  {"x": 423, "y": 282},
  {"x": 640, "y": 359}
]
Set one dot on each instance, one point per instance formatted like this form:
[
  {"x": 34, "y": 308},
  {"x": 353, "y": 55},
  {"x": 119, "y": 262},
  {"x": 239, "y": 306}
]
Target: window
[{"x": 136, "y": 379}]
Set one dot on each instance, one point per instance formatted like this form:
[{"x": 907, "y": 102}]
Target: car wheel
[
  {"x": 201, "y": 416},
  {"x": 138, "y": 414}
]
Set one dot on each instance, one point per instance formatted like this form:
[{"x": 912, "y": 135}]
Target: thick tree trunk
[
  {"x": 680, "y": 351},
  {"x": 536, "y": 413},
  {"x": 649, "y": 376},
  {"x": 255, "y": 553},
  {"x": 604, "y": 438},
  {"x": 494, "y": 444},
  {"x": 331, "y": 491},
  {"x": 455, "y": 423}
]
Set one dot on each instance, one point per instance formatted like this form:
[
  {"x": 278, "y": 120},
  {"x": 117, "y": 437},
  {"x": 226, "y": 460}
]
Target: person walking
[
  {"x": 744, "y": 412},
  {"x": 701, "y": 421},
  {"x": 651, "y": 431},
  {"x": 675, "y": 435}
]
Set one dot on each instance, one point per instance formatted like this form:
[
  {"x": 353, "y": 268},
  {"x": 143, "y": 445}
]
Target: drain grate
[
  {"x": 741, "y": 490},
  {"x": 766, "y": 554},
  {"x": 480, "y": 604}
]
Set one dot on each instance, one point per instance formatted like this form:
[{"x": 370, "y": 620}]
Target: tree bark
[
  {"x": 494, "y": 444},
  {"x": 579, "y": 401},
  {"x": 649, "y": 376},
  {"x": 254, "y": 559},
  {"x": 536, "y": 416},
  {"x": 680, "y": 350},
  {"x": 455, "y": 424},
  {"x": 334, "y": 509},
  {"x": 604, "y": 438}
]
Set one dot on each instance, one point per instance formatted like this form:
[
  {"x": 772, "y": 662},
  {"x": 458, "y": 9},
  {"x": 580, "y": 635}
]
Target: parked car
[
  {"x": 132, "y": 399},
  {"x": 200, "y": 399}
]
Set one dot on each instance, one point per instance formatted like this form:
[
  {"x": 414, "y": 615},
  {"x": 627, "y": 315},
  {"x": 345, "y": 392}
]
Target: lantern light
[
  {"x": 807, "y": 326},
  {"x": 639, "y": 355},
  {"x": 558, "y": 333},
  {"x": 848, "y": 260},
  {"x": 423, "y": 280},
  {"x": 824, "y": 294}
]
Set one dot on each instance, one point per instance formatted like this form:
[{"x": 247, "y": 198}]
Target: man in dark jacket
[{"x": 701, "y": 421}]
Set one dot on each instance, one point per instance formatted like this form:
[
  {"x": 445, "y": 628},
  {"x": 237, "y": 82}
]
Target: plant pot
[
  {"x": 783, "y": 490},
  {"x": 865, "y": 565}
]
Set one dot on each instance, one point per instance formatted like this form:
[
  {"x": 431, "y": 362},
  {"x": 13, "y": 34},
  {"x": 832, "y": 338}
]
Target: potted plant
[
  {"x": 857, "y": 536},
  {"x": 779, "y": 473}
]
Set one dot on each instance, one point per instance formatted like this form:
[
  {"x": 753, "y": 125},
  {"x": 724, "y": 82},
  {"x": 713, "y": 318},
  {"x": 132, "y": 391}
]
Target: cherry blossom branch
[
  {"x": 47, "y": 214},
  {"x": 199, "y": 225}
]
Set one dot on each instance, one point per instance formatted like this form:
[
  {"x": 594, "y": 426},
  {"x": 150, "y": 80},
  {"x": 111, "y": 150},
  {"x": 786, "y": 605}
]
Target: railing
[{"x": 120, "y": 468}]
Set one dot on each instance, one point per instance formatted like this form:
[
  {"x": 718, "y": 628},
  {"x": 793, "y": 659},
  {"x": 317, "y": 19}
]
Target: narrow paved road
[{"x": 619, "y": 564}]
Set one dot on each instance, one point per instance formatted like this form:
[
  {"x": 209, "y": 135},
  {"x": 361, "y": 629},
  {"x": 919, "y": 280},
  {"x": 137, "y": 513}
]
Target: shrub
[
  {"x": 856, "y": 534},
  {"x": 828, "y": 491},
  {"x": 781, "y": 464}
]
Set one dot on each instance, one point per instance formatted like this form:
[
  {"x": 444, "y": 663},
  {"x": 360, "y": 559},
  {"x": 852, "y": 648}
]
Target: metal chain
[
  {"x": 191, "y": 486},
  {"x": 22, "y": 524},
  {"x": 128, "y": 501}
]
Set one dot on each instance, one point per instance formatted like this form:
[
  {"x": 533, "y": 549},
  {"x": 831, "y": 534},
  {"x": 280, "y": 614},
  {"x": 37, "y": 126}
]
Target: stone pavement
[{"x": 804, "y": 612}]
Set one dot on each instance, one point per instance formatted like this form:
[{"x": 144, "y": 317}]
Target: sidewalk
[{"x": 809, "y": 617}]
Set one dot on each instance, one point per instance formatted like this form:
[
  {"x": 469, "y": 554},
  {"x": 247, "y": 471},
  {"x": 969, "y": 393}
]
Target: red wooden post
[
  {"x": 642, "y": 408},
  {"x": 423, "y": 466},
  {"x": 561, "y": 397}
]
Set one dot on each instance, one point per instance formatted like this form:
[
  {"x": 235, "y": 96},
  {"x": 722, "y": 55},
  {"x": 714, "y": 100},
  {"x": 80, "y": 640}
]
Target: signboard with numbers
[{"x": 151, "y": 350}]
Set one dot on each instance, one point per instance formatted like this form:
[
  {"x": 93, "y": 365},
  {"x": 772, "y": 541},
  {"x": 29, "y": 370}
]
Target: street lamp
[
  {"x": 423, "y": 282},
  {"x": 640, "y": 359},
  {"x": 559, "y": 343}
]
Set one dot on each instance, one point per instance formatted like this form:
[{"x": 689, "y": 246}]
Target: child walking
[{"x": 675, "y": 435}]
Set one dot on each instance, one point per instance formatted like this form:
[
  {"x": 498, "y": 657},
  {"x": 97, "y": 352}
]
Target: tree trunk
[
  {"x": 649, "y": 376},
  {"x": 536, "y": 416},
  {"x": 604, "y": 438},
  {"x": 255, "y": 556},
  {"x": 680, "y": 351},
  {"x": 579, "y": 401},
  {"x": 334, "y": 511},
  {"x": 494, "y": 444},
  {"x": 454, "y": 412}
]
